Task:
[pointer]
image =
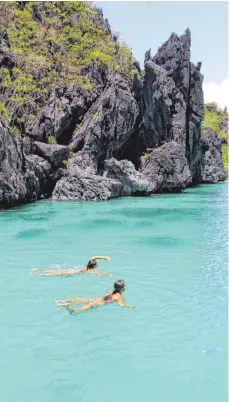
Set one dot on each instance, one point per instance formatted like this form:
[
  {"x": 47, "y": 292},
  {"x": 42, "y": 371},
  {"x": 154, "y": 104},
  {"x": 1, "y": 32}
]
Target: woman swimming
[
  {"x": 113, "y": 296},
  {"x": 87, "y": 269}
]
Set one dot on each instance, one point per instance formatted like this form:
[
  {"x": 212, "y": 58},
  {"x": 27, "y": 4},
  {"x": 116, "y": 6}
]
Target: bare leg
[
  {"x": 61, "y": 303},
  {"x": 36, "y": 269},
  {"x": 43, "y": 272},
  {"x": 72, "y": 300},
  {"x": 78, "y": 300},
  {"x": 50, "y": 272},
  {"x": 73, "y": 310}
]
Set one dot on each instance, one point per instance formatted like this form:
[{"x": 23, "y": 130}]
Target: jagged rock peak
[
  {"x": 177, "y": 47},
  {"x": 198, "y": 65},
  {"x": 188, "y": 35},
  {"x": 147, "y": 55}
]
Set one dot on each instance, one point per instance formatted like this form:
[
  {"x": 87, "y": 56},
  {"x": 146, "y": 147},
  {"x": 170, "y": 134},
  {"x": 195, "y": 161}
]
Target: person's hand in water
[
  {"x": 129, "y": 306},
  {"x": 122, "y": 304},
  {"x": 99, "y": 274}
]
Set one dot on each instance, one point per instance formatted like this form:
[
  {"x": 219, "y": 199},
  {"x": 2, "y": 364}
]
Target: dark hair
[
  {"x": 118, "y": 286},
  {"x": 91, "y": 264}
]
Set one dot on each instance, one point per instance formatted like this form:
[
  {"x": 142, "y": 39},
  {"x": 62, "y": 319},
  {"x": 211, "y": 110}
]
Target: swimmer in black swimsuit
[
  {"x": 87, "y": 269},
  {"x": 113, "y": 296}
]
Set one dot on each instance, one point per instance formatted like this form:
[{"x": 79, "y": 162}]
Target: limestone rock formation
[
  {"x": 37, "y": 178},
  {"x": 212, "y": 170},
  {"x": 103, "y": 131},
  {"x": 23, "y": 178},
  {"x": 13, "y": 189},
  {"x": 107, "y": 125},
  {"x": 167, "y": 167},
  {"x": 81, "y": 161},
  {"x": 86, "y": 188},
  {"x": 171, "y": 103},
  {"x": 133, "y": 182},
  {"x": 66, "y": 107},
  {"x": 54, "y": 153}
]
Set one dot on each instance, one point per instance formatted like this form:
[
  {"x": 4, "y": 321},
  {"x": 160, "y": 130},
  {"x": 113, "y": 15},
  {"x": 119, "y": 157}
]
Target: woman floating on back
[
  {"x": 113, "y": 296},
  {"x": 87, "y": 269}
]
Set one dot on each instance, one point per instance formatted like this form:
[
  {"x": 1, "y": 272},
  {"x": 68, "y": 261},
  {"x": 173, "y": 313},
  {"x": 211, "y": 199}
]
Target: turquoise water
[{"x": 172, "y": 252}]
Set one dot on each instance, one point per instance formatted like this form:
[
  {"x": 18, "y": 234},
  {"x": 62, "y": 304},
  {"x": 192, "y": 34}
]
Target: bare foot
[{"x": 61, "y": 303}]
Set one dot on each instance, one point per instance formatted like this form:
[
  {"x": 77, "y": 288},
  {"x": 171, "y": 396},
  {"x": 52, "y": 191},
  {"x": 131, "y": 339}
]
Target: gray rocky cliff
[
  {"x": 101, "y": 136},
  {"x": 212, "y": 170}
]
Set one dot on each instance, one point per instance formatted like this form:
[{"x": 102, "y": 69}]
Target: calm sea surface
[{"x": 172, "y": 252}]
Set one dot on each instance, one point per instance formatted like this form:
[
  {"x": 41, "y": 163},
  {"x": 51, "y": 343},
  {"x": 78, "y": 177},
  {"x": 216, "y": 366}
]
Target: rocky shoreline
[{"x": 123, "y": 139}]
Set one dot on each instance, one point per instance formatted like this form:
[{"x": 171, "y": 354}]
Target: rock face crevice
[
  {"x": 121, "y": 139},
  {"x": 107, "y": 125}
]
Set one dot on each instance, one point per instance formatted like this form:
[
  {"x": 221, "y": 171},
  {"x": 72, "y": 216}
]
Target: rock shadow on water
[
  {"x": 137, "y": 212},
  {"x": 152, "y": 213},
  {"x": 28, "y": 216},
  {"x": 144, "y": 224},
  {"x": 37, "y": 217},
  {"x": 89, "y": 224},
  {"x": 102, "y": 223},
  {"x": 30, "y": 233},
  {"x": 160, "y": 241}
]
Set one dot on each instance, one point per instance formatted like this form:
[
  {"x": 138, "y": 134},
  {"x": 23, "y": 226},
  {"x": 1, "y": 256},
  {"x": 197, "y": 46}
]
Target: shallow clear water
[{"x": 172, "y": 252}]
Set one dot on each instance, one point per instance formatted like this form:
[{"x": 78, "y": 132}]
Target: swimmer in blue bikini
[{"x": 87, "y": 269}]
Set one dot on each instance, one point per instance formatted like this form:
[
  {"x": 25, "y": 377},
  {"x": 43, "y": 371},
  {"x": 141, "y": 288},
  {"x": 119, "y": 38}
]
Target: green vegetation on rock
[
  {"x": 145, "y": 154},
  {"x": 15, "y": 131},
  {"x": 217, "y": 119},
  {"x": 225, "y": 156},
  {"x": 214, "y": 118},
  {"x": 51, "y": 140},
  {"x": 53, "y": 43},
  {"x": 4, "y": 114}
]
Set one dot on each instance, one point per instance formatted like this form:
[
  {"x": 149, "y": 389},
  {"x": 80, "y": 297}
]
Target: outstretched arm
[
  {"x": 97, "y": 257},
  {"x": 122, "y": 304},
  {"x": 99, "y": 274}
]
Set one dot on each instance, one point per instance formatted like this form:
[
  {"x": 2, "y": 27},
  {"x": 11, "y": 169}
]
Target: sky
[{"x": 145, "y": 25}]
